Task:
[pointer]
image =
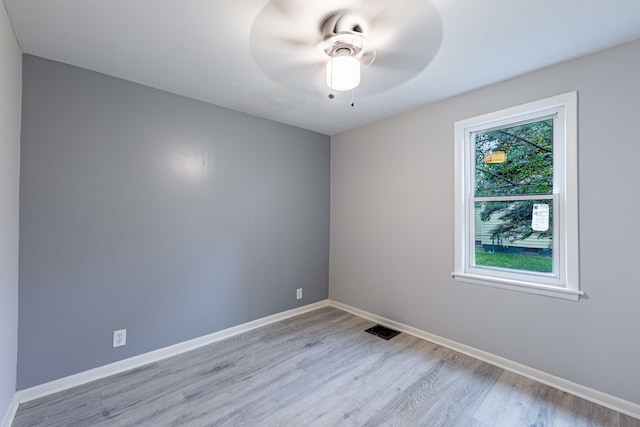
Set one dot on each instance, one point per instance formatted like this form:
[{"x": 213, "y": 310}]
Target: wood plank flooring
[{"x": 317, "y": 369}]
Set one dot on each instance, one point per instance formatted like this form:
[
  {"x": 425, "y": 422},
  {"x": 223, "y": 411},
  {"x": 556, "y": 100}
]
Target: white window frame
[{"x": 564, "y": 281}]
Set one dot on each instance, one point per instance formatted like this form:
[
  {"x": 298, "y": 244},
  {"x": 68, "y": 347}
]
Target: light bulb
[{"x": 343, "y": 72}]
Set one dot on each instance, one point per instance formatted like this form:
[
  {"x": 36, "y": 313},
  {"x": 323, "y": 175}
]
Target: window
[{"x": 516, "y": 198}]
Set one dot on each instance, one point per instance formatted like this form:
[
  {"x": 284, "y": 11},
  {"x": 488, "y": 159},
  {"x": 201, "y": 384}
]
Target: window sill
[{"x": 520, "y": 286}]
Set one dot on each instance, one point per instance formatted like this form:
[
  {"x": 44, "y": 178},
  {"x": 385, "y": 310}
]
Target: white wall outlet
[
  {"x": 119, "y": 338},
  {"x": 299, "y": 293}
]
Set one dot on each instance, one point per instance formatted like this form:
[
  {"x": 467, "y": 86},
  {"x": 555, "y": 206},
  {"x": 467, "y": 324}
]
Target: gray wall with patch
[
  {"x": 166, "y": 216},
  {"x": 392, "y": 228}
]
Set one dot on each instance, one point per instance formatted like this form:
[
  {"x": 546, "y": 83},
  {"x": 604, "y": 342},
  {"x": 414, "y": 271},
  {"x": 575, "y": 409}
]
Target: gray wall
[
  {"x": 392, "y": 212},
  {"x": 10, "y": 94},
  {"x": 156, "y": 213}
]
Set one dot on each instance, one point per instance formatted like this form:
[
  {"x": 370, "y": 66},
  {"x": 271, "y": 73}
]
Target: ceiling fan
[{"x": 335, "y": 46}]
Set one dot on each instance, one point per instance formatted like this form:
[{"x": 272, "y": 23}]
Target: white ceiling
[{"x": 201, "y": 49}]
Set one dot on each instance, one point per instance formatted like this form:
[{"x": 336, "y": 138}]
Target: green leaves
[{"x": 528, "y": 168}]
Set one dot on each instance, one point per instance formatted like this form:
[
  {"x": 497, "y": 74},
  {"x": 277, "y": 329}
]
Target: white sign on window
[{"x": 540, "y": 217}]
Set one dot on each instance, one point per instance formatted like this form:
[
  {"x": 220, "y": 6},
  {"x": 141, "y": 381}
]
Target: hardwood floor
[{"x": 317, "y": 369}]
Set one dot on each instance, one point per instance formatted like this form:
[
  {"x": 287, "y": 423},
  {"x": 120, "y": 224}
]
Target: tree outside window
[{"x": 510, "y": 162}]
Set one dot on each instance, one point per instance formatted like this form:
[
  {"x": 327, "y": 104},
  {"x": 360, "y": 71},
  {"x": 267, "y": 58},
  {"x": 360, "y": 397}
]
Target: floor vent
[{"x": 382, "y": 332}]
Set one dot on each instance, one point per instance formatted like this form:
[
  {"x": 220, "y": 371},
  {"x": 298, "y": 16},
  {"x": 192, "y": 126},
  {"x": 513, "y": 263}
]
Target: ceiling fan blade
[
  {"x": 406, "y": 37},
  {"x": 379, "y": 9},
  {"x": 293, "y": 42},
  {"x": 285, "y": 20},
  {"x": 410, "y": 61},
  {"x": 299, "y": 70},
  {"x": 286, "y": 8},
  {"x": 309, "y": 78}
]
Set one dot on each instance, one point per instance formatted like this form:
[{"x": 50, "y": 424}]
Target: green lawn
[{"x": 515, "y": 261}]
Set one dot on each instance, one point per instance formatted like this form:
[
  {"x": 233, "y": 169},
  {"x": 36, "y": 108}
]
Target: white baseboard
[
  {"x": 595, "y": 396},
  {"x": 11, "y": 413},
  {"x": 606, "y": 400},
  {"x": 154, "y": 356}
]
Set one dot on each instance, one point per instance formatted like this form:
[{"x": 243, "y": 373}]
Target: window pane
[
  {"x": 515, "y": 160},
  {"x": 510, "y": 235}
]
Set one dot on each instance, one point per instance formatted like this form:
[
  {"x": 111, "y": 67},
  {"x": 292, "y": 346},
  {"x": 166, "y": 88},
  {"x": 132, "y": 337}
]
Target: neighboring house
[{"x": 485, "y": 241}]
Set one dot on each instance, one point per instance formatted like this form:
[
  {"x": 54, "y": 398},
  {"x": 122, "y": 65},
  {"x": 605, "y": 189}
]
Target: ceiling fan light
[{"x": 343, "y": 72}]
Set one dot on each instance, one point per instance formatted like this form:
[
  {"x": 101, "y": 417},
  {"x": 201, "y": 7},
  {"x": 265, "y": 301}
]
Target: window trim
[{"x": 565, "y": 196}]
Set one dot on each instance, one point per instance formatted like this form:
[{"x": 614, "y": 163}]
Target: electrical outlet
[
  {"x": 299, "y": 293},
  {"x": 119, "y": 338}
]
